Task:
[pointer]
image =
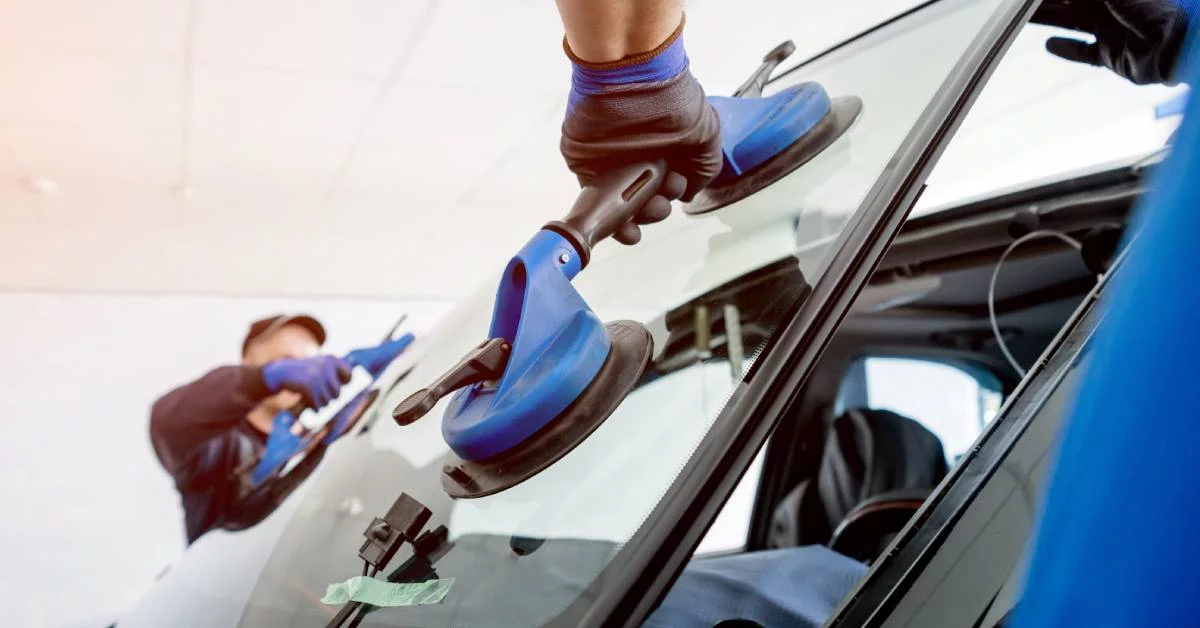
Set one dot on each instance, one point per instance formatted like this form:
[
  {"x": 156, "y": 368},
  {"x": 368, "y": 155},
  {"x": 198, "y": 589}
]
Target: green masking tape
[{"x": 382, "y": 593}]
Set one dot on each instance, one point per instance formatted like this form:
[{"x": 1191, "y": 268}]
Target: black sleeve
[{"x": 195, "y": 412}]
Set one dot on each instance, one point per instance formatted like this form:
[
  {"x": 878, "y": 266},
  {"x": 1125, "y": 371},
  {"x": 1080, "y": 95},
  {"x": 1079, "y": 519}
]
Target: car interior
[{"x": 918, "y": 370}]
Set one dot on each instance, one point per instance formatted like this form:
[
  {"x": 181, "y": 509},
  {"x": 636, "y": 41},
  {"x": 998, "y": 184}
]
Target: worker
[
  {"x": 205, "y": 431},
  {"x": 633, "y": 98}
]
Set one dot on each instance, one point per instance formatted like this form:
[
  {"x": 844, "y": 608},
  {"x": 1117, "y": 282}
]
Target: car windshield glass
[
  {"x": 711, "y": 290},
  {"x": 1041, "y": 118}
]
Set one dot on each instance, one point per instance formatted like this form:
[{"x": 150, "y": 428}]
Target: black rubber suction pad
[
  {"x": 631, "y": 349},
  {"x": 843, "y": 112}
]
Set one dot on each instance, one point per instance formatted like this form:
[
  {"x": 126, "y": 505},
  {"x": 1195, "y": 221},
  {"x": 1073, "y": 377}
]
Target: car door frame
[{"x": 642, "y": 574}]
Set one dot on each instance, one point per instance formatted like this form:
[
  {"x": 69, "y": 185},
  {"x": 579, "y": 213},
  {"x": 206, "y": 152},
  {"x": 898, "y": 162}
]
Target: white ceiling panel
[
  {"x": 450, "y": 260},
  {"x": 258, "y": 209},
  {"x": 86, "y": 91},
  {"x": 17, "y": 206},
  {"x": 464, "y": 119},
  {"x": 362, "y": 37},
  {"x": 272, "y": 105},
  {"x": 389, "y": 175},
  {"x": 9, "y": 164},
  {"x": 434, "y": 144},
  {"x": 154, "y": 27},
  {"x": 511, "y": 45},
  {"x": 88, "y": 204},
  {"x": 251, "y": 165},
  {"x": 65, "y": 153},
  {"x": 289, "y": 259},
  {"x": 533, "y": 175},
  {"x": 350, "y": 213}
]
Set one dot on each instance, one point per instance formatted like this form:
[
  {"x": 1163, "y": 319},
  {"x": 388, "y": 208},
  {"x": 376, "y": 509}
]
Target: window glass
[
  {"x": 587, "y": 509},
  {"x": 589, "y": 506},
  {"x": 1042, "y": 118}
]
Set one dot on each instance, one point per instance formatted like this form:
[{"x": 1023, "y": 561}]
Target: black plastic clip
[
  {"x": 404, "y": 521},
  {"x": 484, "y": 363}
]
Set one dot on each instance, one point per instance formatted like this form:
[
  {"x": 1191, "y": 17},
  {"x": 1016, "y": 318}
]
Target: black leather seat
[{"x": 867, "y": 454}]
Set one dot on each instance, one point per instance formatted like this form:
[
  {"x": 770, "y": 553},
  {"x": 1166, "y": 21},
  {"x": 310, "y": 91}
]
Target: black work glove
[
  {"x": 1140, "y": 40},
  {"x": 639, "y": 109}
]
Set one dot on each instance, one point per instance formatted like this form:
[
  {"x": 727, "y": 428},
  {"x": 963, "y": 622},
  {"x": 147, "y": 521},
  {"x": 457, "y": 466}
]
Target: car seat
[{"x": 876, "y": 468}]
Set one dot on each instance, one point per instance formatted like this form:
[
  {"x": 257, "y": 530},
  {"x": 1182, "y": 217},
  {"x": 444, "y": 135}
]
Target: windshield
[
  {"x": 1042, "y": 119},
  {"x": 711, "y": 289}
]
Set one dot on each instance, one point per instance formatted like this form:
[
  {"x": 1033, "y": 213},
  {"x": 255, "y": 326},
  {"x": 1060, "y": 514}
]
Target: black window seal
[{"x": 643, "y": 570}]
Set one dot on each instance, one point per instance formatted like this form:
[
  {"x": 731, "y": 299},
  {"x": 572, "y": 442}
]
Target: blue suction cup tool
[
  {"x": 764, "y": 139},
  {"x": 551, "y": 372}
]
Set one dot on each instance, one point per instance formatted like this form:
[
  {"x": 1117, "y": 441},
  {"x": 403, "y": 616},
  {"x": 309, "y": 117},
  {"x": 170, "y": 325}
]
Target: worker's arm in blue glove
[
  {"x": 194, "y": 413},
  {"x": 317, "y": 380},
  {"x": 376, "y": 359},
  {"x": 633, "y": 98},
  {"x": 612, "y": 30},
  {"x": 197, "y": 411},
  {"x": 1140, "y": 40}
]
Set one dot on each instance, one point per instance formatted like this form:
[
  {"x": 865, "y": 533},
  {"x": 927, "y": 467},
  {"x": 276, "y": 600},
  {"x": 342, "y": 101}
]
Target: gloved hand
[
  {"x": 642, "y": 108},
  {"x": 1140, "y": 40},
  {"x": 316, "y": 379},
  {"x": 377, "y": 358}
]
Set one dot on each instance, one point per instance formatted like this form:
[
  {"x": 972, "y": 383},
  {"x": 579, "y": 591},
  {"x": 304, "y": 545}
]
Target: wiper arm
[{"x": 403, "y": 523}]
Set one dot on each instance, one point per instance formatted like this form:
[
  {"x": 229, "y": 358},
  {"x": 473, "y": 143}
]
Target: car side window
[{"x": 954, "y": 399}]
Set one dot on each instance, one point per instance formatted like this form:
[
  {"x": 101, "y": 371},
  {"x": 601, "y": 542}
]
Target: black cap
[{"x": 274, "y": 323}]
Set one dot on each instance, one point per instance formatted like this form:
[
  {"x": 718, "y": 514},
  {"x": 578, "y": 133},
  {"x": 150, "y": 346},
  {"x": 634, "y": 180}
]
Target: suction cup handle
[
  {"x": 754, "y": 85},
  {"x": 484, "y": 363},
  {"x": 608, "y": 203}
]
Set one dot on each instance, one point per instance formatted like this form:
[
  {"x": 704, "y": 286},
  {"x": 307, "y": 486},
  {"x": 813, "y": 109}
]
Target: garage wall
[{"x": 89, "y": 517}]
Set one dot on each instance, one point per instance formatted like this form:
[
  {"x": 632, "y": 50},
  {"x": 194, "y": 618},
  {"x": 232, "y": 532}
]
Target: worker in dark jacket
[{"x": 206, "y": 431}]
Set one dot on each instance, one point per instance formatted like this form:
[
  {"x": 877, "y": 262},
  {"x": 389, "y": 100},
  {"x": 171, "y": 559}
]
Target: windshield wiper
[{"x": 403, "y": 523}]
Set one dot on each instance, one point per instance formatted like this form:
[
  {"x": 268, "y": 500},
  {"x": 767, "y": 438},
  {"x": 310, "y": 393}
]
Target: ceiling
[
  {"x": 368, "y": 148},
  {"x": 326, "y": 147}
]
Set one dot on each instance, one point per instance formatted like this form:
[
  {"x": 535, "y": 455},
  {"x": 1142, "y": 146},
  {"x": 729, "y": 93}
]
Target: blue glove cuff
[{"x": 662, "y": 64}]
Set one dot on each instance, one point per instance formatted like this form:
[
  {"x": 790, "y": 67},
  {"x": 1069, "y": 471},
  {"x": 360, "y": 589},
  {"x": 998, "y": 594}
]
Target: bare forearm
[{"x": 600, "y": 31}]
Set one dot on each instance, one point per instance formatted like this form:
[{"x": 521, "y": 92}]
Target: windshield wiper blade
[{"x": 403, "y": 523}]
